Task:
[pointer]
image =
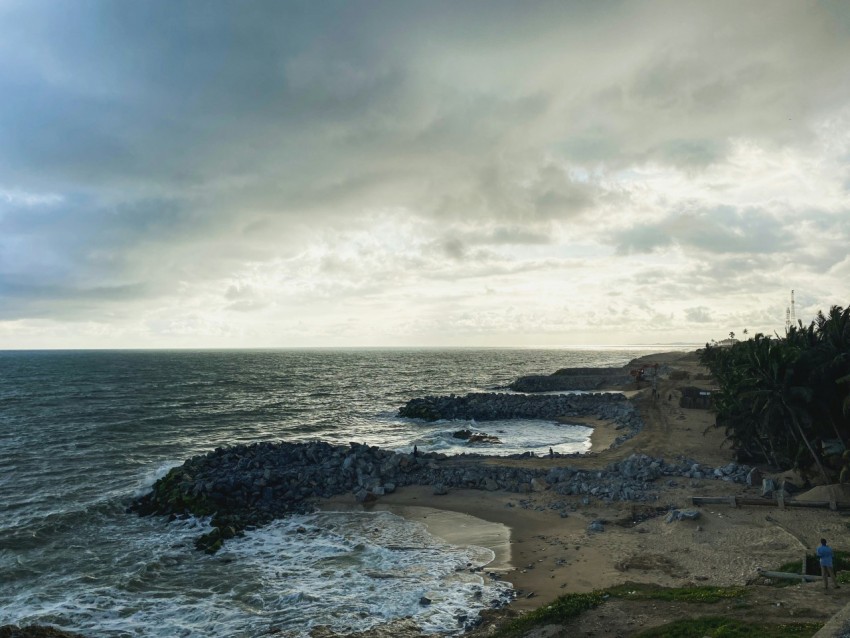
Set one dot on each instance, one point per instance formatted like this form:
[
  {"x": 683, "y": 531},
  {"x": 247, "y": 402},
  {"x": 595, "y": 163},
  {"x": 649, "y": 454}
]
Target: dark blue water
[{"x": 81, "y": 433}]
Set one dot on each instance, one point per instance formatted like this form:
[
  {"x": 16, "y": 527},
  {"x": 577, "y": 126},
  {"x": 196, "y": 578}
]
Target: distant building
[{"x": 695, "y": 398}]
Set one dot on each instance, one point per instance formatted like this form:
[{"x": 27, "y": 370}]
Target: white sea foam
[
  {"x": 350, "y": 571},
  {"x": 152, "y": 475},
  {"x": 516, "y": 436}
]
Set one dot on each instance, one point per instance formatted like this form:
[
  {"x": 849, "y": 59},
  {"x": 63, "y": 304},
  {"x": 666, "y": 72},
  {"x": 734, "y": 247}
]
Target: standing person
[{"x": 826, "y": 570}]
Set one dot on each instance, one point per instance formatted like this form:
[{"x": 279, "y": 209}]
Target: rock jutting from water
[{"x": 35, "y": 631}]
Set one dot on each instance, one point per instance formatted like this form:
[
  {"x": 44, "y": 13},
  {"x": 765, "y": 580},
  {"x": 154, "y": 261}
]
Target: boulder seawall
[
  {"x": 491, "y": 406},
  {"x": 573, "y": 379},
  {"x": 250, "y": 485}
]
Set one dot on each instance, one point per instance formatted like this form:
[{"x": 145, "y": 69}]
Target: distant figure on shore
[
  {"x": 826, "y": 570},
  {"x": 551, "y": 453},
  {"x": 415, "y": 451}
]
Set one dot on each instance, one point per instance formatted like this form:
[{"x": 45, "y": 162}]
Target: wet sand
[{"x": 454, "y": 527}]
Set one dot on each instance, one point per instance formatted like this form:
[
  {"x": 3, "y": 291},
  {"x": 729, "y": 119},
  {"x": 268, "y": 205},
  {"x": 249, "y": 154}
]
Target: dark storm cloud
[{"x": 182, "y": 140}]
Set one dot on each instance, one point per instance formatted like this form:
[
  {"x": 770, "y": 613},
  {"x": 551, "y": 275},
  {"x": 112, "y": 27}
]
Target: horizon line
[{"x": 362, "y": 347}]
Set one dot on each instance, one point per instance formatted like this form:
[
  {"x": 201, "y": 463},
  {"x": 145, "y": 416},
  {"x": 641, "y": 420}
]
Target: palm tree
[
  {"x": 778, "y": 396},
  {"x": 778, "y": 402}
]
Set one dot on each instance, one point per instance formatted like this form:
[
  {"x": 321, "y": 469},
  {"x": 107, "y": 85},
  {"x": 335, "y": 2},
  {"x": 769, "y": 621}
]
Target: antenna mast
[
  {"x": 793, "y": 312},
  {"x": 787, "y": 318}
]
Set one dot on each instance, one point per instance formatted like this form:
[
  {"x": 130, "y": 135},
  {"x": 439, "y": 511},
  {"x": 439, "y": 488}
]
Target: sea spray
[{"x": 346, "y": 571}]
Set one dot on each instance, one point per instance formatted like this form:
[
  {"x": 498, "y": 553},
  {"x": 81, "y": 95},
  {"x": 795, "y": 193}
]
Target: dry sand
[{"x": 545, "y": 555}]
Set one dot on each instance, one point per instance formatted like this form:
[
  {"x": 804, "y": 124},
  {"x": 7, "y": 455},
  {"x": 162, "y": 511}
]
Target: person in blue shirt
[{"x": 826, "y": 570}]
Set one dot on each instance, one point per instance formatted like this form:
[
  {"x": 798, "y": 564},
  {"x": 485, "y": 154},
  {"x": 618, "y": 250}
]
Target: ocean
[{"x": 84, "y": 432}]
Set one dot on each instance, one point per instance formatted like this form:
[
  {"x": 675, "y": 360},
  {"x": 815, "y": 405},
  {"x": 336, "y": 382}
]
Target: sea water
[{"x": 84, "y": 432}]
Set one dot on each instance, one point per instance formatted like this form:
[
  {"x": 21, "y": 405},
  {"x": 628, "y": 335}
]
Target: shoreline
[
  {"x": 472, "y": 517},
  {"x": 568, "y": 524},
  {"x": 451, "y": 525},
  {"x": 553, "y": 552}
]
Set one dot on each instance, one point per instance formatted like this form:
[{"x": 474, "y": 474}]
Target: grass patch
[
  {"x": 840, "y": 563},
  {"x": 570, "y": 606},
  {"x": 707, "y": 594},
  {"x": 562, "y": 609},
  {"x": 715, "y": 627}
]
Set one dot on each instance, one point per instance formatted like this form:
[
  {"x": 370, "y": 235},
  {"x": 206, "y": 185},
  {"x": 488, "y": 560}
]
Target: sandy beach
[{"x": 545, "y": 554}]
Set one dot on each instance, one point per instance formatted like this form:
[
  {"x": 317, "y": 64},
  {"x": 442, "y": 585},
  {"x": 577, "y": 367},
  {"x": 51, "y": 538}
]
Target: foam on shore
[{"x": 455, "y": 528}]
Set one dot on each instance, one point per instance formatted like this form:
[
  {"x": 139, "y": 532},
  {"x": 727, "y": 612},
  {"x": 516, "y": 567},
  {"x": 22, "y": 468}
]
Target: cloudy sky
[{"x": 239, "y": 174}]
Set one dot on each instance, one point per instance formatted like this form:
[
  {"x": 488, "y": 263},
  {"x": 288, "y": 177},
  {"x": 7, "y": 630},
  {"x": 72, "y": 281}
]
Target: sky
[{"x": 406, "y": 173}]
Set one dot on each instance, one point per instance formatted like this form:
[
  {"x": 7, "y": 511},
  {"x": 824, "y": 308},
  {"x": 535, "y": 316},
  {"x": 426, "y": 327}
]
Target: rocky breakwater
[
  {"x": 492, "y": 406},
  {"x": 632, "y": 478},
  {"x": 250, "y": 485},
  {"x": 573, "y": 379}
]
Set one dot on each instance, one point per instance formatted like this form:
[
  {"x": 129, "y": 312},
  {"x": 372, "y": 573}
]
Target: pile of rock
[
  {"x": 35, "y": 631},
  {"x": 491, "y": 406},
  {"x": 573, "y": 379},
  {"x": 253, "y": 484},
  {"x": 631, "y": 478}
]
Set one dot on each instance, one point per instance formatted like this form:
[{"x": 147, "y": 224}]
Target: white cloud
[{"x": 488, "y": 173}]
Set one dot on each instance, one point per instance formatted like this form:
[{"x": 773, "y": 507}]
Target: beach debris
[
  {"x": 682, "y": 515},
  {"x": 789, "y": 486},
  {"x": 754, "y": 478},
  {"x": 596, "y": 526},
  {"x": 767, "y": 487}
]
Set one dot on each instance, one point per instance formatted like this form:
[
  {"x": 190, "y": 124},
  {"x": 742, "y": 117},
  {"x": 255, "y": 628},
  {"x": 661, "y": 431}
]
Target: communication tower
[
  {"x": 793, "y": 313},
  {"x": 787, "y": 318}
]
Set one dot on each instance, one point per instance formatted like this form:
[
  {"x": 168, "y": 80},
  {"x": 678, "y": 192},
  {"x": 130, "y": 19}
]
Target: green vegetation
[
  {"x": 569, "y": 606},
  {"x": 560, "y": 610},
  {"x": 727, "y": 628},
  {"x": 786, "y": 400},
  {"x": 705, "y": 594},
  {"x": 840, "y": 561}
]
